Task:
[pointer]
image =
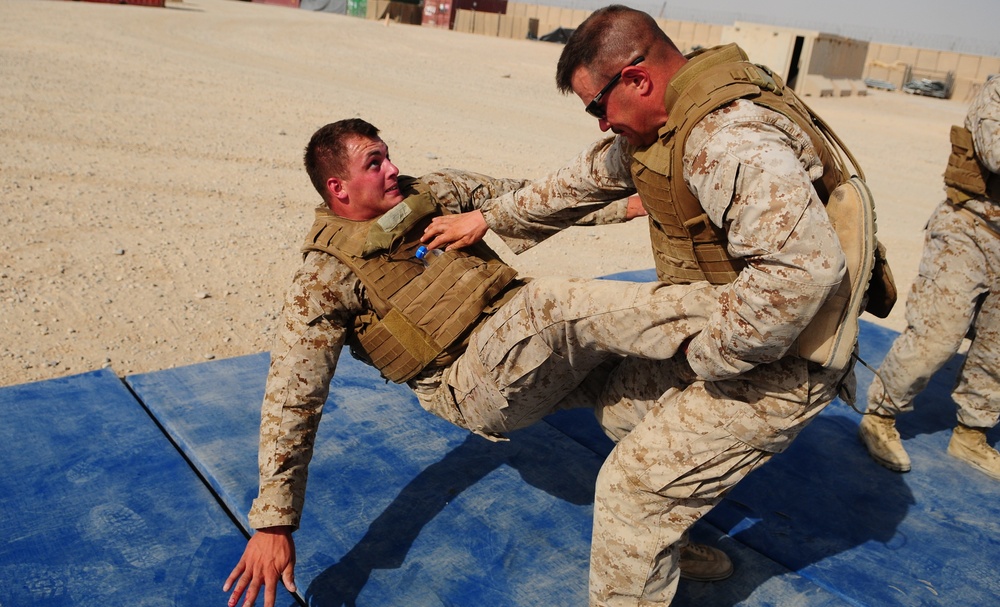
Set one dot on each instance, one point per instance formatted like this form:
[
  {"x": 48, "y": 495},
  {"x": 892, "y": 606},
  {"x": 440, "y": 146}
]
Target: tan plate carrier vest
[
  {"x": 420, "y": 315},
  {"x": 686, "y": 245},
  {"x": 965, "y": 177}
]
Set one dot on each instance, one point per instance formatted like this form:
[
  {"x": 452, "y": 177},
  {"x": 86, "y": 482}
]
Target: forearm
[
  {"x": 758, "y": 319},
  {"x": 619, "y": 211},
  {"x": 319, "y": 306},
  {"x": 464, "y": 191},
  {"x": 297, "y": 388},
  {"x": 597, "y": 177}
]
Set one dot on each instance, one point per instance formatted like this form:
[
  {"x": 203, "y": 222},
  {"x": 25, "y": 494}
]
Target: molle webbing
[
  {"x": 421, "y": 313},
  {"x": 684, "y": 250},
  {"x": 965, "y": 177},
  {"x": 687, "y": 246}
]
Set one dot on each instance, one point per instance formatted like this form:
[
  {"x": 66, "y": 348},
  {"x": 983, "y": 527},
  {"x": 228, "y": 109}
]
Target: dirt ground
[{"x": 150, "y": 165}]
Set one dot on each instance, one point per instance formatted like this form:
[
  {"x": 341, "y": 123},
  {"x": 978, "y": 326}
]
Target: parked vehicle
[
  {"x": 882, "y": 85},
  {"x": 925, "y": 86}
]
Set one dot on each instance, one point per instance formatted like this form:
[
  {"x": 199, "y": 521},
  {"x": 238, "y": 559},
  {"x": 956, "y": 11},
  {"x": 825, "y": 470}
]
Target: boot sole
[
  {"x": 955, "y": 453},
  {"x": 713, "y": 578}
]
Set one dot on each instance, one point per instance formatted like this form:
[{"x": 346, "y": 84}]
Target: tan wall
[
  {"x": 838, "y": 57},
  {"x": 766, "y": 46},
  {"x": 549, "y": 17},
  {"x": 827, "y": 64},
  {"x": 374, "y": 8},
  {"x": 824, "y": 56},
  {"x": 891, "y": 62},
  {"x": 686, "y": 35}
]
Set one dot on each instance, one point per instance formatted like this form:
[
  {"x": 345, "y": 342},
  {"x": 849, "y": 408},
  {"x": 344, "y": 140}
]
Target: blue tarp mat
[
  {"x": 402, "y": 508},
  {"x": 405, "y": 509},
  {"x": 97, "y": 507},
  {"x": 825, "y": 509}
]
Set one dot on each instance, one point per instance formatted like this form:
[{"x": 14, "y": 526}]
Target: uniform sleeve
[
  {"x": 318, "y": 309},
  {"x": 463, "y": 191},
  {"x": 613, "y": 212},
  {"x": 752, "y": 170},
  {"x": 983, "y": 122},
  {"x": 572, "y": 195}
]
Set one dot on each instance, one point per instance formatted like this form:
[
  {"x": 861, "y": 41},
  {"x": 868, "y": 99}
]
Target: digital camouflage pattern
[
  {"x": 684, "y": 443},
  {"x": 753, "y": 170},
  {"x": 517, "y": 368},
  {"x": 517, "y": 344},
  {"x": 689, "y": 431},
  {"x": 957, "y": 287}
]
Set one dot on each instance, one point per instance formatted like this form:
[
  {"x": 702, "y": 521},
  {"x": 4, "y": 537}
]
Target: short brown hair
[
  {"x": 326, "y": 154},
  {"x": 608, "y": 40}
]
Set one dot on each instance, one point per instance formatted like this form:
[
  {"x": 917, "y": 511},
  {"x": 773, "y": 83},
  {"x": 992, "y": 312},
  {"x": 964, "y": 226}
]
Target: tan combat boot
[
  {"x": 881, "y": 438},
  {"x": 969, "y": 445},
  {"x": 703, "y": 563}
]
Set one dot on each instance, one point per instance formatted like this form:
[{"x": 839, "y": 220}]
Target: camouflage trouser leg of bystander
[
  {"x": 979, "y": 381},
  {"x": 956, "y": 276}
]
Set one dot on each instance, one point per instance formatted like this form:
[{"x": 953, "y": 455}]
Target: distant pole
[{"x": 663, "y": 9}]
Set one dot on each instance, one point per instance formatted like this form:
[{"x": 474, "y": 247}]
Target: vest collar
[
  {"x": 366, "y": 238},
  {"x": 684, "y": 82},
  {"x": 698, "y": 63}
]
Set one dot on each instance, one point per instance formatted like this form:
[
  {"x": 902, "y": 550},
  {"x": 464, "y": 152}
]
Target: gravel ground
[{"x": 153, "y": 195}]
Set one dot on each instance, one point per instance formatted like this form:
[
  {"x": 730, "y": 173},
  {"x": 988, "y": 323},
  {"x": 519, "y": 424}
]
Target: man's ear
[
  {"x": 337, "y": 191},
  {"x": 639, "y": 77}
]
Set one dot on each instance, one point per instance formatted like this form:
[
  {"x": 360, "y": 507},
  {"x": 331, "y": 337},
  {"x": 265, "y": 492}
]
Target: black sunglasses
[{"x": 594, "y": 108}]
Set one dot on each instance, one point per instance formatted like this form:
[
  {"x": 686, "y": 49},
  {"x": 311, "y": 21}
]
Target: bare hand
[
  {"x": 269, "y": 554},
  {"x": 634, "y": 208},
  {"x": 455, "y": 231}
]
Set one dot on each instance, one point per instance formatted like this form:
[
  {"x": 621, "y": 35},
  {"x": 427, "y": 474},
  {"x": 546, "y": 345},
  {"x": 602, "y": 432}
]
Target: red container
[
  {"x": 135, "y": 2},
  {"x": 291, "y": 3},
  {"x": 441, "y": 13}
]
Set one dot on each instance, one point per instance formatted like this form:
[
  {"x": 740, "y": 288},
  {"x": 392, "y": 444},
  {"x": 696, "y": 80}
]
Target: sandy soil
[{"x": 150, "y": 165}]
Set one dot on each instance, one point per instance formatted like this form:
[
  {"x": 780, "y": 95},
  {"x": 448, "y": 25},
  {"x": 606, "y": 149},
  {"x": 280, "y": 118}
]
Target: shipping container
[
  {"x": 135, "y": 2},
  {"x": 291, "y": 3},
  {"x": 441, "y": 13}
]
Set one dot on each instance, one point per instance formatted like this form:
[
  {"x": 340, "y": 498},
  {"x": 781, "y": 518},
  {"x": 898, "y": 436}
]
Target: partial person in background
[
  {"x": 956, "y": 290},
  {"x": 479, "y": 346}
]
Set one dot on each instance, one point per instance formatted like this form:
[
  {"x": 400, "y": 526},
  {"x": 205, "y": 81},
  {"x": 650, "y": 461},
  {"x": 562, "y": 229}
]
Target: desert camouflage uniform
[
  {"x": 520, "y": 363},
  {"x": 687, "y": 435},
  {"x": 957, "y": 287}
]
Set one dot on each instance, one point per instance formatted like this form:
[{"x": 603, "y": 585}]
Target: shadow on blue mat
[
  {"x": 390, "y": 535},
  {"x": 825, "y": 510}
]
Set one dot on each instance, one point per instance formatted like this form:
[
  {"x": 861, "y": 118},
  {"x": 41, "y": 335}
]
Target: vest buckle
[{"x": 761, "y": 78}]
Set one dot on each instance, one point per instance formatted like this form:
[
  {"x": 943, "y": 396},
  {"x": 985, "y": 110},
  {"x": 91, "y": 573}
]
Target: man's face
[
  {"x": 620, "y": 109},
  {"x": 371, "y": 185}
]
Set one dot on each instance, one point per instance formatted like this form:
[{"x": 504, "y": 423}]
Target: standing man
[
  {"x": 957, "y": 288},
  {"x": 479, "y": 347},
  {"x": 734, "y": 175}
]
